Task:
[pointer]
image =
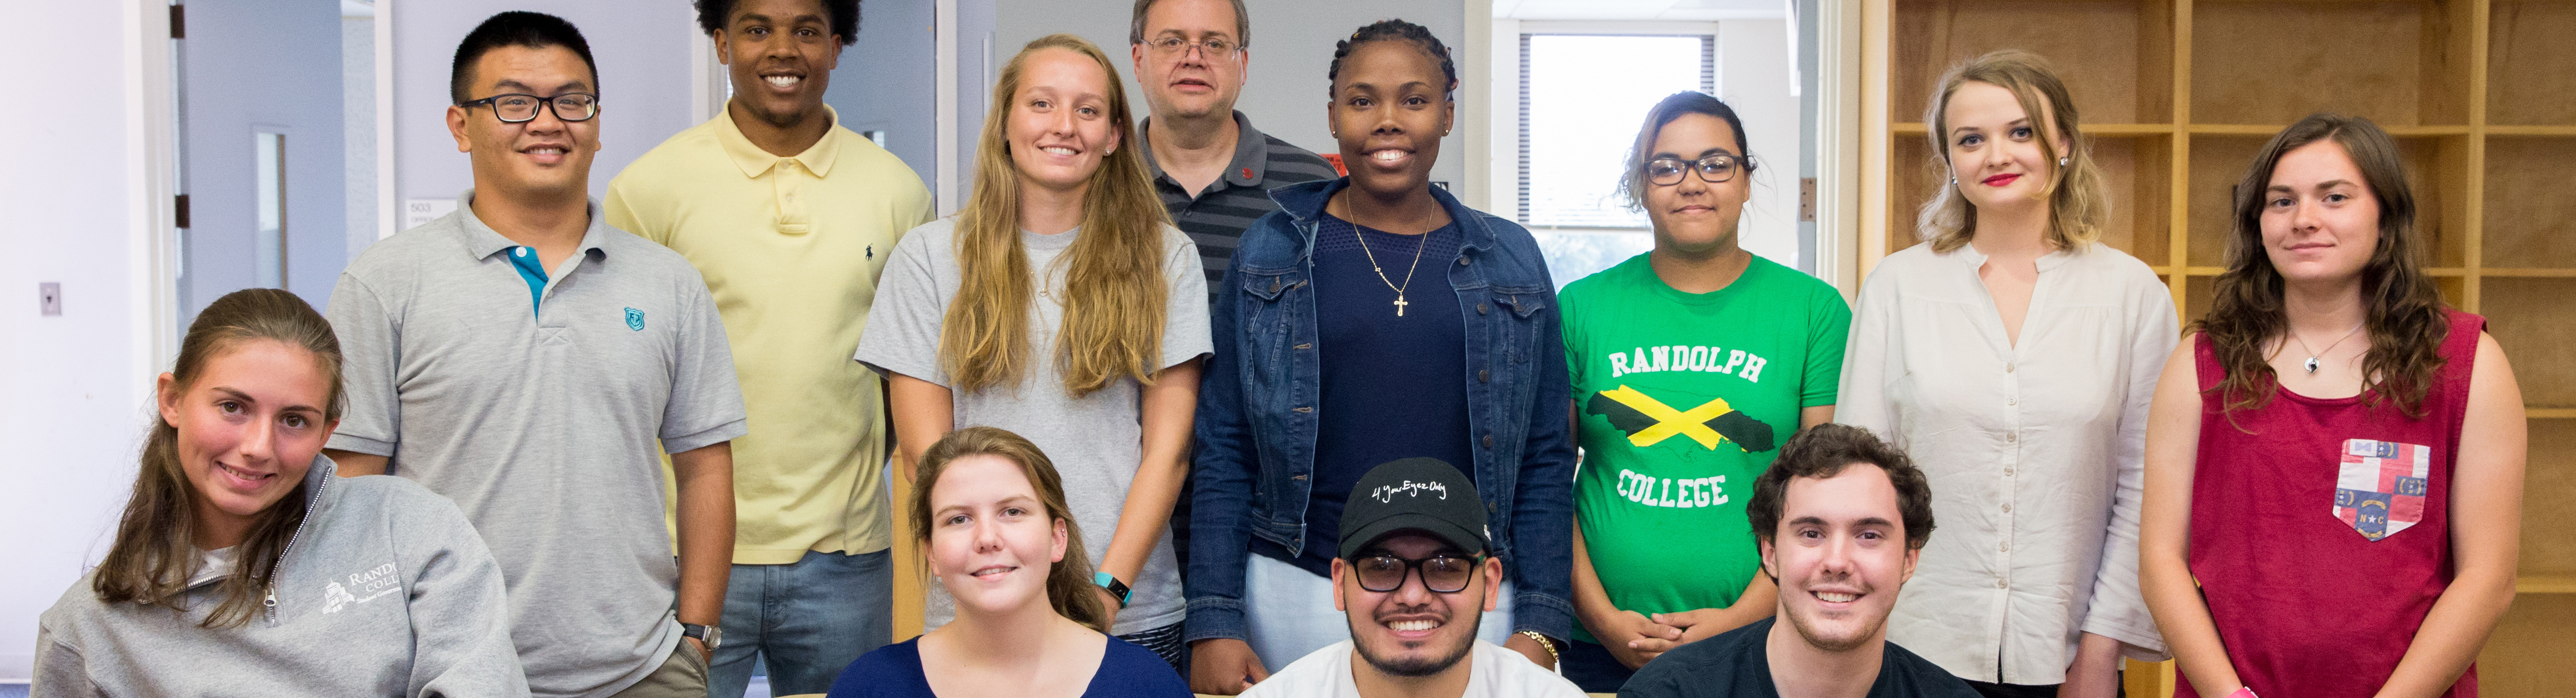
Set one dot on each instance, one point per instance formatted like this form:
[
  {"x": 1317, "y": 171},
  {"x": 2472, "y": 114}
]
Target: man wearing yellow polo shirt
[{"x": 790, "y": 218}]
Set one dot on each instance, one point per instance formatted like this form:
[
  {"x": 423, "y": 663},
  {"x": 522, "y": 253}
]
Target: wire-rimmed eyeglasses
[{"x": 1212, "y": 47}]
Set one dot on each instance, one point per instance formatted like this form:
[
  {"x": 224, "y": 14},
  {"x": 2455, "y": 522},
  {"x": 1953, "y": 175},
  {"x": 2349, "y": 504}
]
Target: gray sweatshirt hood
[{"x": 384, "y": 589}]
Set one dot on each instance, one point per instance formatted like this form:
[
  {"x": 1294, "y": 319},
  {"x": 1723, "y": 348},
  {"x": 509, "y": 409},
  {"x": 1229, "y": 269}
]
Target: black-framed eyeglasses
[
  {"x": 1446, "y": 574},
  {"x": 1668, "y": 171},
  {"x": 1212, "y": 47},
  {"x": 520, "y": 109}
]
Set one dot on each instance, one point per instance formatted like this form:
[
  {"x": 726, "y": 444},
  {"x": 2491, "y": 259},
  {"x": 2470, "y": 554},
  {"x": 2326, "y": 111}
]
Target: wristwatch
[
  {"x": 1115, "y": 587},
  {"x": 712, "y": 635}
]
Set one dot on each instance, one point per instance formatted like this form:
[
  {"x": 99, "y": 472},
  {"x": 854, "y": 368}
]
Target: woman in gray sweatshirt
[{"x": 243, "y": 566}]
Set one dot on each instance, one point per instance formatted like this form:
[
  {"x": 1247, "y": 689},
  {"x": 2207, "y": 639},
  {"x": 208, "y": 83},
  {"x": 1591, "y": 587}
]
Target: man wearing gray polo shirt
[{"x": 526, "y": 360}]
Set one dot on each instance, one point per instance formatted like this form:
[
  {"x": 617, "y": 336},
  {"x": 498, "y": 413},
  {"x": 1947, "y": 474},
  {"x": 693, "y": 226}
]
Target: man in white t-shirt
[{"x": 1413, "y": 577}]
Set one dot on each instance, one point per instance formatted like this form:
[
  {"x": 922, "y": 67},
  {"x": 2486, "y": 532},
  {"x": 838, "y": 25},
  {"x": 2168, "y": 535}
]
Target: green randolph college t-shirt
[{"x": 1681, "y": 400}]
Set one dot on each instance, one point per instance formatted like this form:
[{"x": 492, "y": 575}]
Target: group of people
[{"x": 1172, "y": 423}]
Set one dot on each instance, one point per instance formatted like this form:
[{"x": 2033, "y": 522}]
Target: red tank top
[{"x": 2321, "y": 538}]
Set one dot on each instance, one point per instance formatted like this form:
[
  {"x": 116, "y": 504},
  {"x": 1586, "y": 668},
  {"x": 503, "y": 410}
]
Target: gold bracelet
[{"x": 1552, "y": 656}]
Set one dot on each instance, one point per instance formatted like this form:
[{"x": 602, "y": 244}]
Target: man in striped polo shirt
[{"x": 1213, "y": 170}]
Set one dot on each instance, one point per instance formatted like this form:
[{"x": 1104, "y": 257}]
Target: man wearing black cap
[{"x": 1413, "y": 577}]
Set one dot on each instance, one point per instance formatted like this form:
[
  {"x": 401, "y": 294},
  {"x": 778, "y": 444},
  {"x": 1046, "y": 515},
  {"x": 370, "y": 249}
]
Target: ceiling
[{"x": 1666, "y": 10}]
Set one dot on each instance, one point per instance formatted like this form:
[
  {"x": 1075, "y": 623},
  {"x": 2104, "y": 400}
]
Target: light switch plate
[{"x": 49, "y": 298}]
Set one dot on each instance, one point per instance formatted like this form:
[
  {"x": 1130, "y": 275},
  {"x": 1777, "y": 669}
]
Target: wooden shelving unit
[{"x": 2179, "y": 94}]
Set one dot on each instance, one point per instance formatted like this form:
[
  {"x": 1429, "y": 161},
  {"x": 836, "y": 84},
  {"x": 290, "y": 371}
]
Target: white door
[{"x": 260, "y": 148}]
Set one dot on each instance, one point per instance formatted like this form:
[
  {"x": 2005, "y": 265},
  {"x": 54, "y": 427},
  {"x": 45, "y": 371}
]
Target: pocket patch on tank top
[{"x": 2380, "y": 486}]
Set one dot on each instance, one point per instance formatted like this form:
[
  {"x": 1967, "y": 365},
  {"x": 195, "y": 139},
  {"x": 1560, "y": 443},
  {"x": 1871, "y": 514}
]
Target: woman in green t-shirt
[{"x": 1691, "y": 364}]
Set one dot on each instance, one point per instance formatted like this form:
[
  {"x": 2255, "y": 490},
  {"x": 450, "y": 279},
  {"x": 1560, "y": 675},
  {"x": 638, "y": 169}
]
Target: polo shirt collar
[
  {"x": 483, "y": 242},
  {"x": 1251, "y": 153},
  {"x": 817, "y": 159}
]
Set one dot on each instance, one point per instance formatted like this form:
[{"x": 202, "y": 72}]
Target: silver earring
[{"x": 2061, "y": 162}]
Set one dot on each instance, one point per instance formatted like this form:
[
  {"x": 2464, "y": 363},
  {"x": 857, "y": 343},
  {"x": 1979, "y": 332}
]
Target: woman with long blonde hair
[
  {"x": 2014, "y": 357},
  {"x": 1061, "y": 304}
]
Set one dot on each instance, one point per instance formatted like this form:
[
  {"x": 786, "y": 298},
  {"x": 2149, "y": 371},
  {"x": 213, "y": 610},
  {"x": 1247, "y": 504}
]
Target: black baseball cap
[{"x": 1418, "y": 494}]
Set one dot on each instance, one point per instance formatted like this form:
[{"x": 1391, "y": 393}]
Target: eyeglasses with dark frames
[
  {"x": 1212, "y": 47},
  {"x": 1445, "y": 574},
  {"x": 522, "y": 108},
  {"x": 1668, "y": 171}
]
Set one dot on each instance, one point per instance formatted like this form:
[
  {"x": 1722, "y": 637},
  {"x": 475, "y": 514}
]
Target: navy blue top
[
  {"x": 1394, "y": 386},
  {"x": 894, "y": 671},
  {"x": 1737, "y": 664}
]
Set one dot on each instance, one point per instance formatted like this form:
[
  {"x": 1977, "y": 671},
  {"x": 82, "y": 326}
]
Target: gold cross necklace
[{"x": 1350, "y": 212}]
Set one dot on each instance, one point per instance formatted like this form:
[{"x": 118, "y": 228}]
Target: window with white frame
[{"x": 1582, "y": 97}]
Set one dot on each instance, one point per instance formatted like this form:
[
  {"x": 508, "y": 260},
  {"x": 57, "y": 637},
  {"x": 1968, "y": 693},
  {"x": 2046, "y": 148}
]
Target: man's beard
[
  {"x": 1813, "y": 639},
  {"x": 1418, "y": 668}
]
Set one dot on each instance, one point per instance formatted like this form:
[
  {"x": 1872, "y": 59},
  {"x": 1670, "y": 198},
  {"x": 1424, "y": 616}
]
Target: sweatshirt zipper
[{"x": 270, "y": 602}]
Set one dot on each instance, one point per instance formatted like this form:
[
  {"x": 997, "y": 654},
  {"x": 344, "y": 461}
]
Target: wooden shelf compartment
[
  {"x": 2436, "y": 170},
  {"x": 2529, "y": 212},
  {"x": 2401, "y": 63},
  {"x": 2116, "y": 56},
  {"x": 2549, "y": 473},
  {"x": 2531, "y": 74},
  {"x": 2535, "y": 322},
  {"x": 2527, "y": 653}
]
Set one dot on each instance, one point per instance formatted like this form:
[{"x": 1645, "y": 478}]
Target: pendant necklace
[
  {"x": 1372, "y": 257},
  {"x": 2312, "y": 355}
]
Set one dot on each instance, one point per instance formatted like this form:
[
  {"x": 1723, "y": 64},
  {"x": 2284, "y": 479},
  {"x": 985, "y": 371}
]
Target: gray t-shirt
[
  {"x": 542, "y": 421},
  {"x": 1096, "y": 442}
]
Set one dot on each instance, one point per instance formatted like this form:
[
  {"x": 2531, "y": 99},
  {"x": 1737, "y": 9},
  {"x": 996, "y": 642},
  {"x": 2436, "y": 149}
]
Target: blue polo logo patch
[{"x": 634, "y": 319}]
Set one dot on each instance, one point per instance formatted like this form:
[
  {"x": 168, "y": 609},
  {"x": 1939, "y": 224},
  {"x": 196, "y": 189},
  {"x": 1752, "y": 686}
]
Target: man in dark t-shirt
[{"x": 1840, "y": 540}]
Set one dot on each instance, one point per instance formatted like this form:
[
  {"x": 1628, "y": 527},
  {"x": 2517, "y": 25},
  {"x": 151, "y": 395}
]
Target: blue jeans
[{"x": 805, "y": 620}]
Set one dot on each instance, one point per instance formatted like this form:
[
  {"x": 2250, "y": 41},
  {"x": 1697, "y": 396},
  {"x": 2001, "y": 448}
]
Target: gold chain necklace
[{"x": 1347, "y": 208}]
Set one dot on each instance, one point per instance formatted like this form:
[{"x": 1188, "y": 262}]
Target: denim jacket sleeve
[
  {"x": 1543, "y": 513},
  {"x": 1223, "y": 464}
]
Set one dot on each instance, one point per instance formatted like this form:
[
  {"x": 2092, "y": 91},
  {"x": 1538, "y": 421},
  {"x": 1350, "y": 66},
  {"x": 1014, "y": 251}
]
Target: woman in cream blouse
[{"x": 2014, "y": 358}]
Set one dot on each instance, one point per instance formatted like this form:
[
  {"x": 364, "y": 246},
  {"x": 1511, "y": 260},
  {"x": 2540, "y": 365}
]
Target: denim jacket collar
[{"x": 1304, "y": 204}]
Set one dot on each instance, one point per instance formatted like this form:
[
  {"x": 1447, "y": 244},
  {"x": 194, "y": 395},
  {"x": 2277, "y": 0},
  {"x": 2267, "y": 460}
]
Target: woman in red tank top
[{"x": 2334, "y": 458}]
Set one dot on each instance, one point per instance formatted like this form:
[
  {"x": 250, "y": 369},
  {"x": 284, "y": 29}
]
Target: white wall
[
  {"x": 1753, "y": 76},
  {"x": 77, "y": 383},
  {"x": 643, "y": 54}
]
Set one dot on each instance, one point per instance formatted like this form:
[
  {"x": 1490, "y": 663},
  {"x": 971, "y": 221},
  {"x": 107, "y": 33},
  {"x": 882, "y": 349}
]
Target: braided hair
[{"x": 1397, "y": 30}]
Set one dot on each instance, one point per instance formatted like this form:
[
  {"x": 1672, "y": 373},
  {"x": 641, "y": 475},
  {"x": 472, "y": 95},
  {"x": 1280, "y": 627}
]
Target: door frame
[{"x": 152, "y": 150}]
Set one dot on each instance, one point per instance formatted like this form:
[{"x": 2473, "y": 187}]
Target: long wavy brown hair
[
  {"x": 155, "y": 549},
  {"x": 1068, "y": 582},
  {"x": 2403, "y": 309},
  {"x": 2079, "y": 199},
  {"x": 1114, "y": 300}
]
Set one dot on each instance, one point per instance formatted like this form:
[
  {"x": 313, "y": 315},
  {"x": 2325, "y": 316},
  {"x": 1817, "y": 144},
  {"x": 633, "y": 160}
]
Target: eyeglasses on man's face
[
  {"x": 1213, "y": 47},
  {"x": 520, "y": 109},
  {"x": 1446, "y": 574},
  {"x": 1668, "y": 171}
]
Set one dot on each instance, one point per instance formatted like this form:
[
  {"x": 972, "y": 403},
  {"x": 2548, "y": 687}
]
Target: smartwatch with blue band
[{"x": 1115, "y": 587}]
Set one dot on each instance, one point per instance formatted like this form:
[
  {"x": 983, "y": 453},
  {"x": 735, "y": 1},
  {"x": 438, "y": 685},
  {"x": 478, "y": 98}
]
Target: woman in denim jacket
[{"x": 1336, "y": 350}]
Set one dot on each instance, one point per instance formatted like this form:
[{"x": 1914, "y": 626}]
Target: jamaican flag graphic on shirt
[
  {"x": 1681, "y": 401},
  {"x": 1647, "y": 421}
]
